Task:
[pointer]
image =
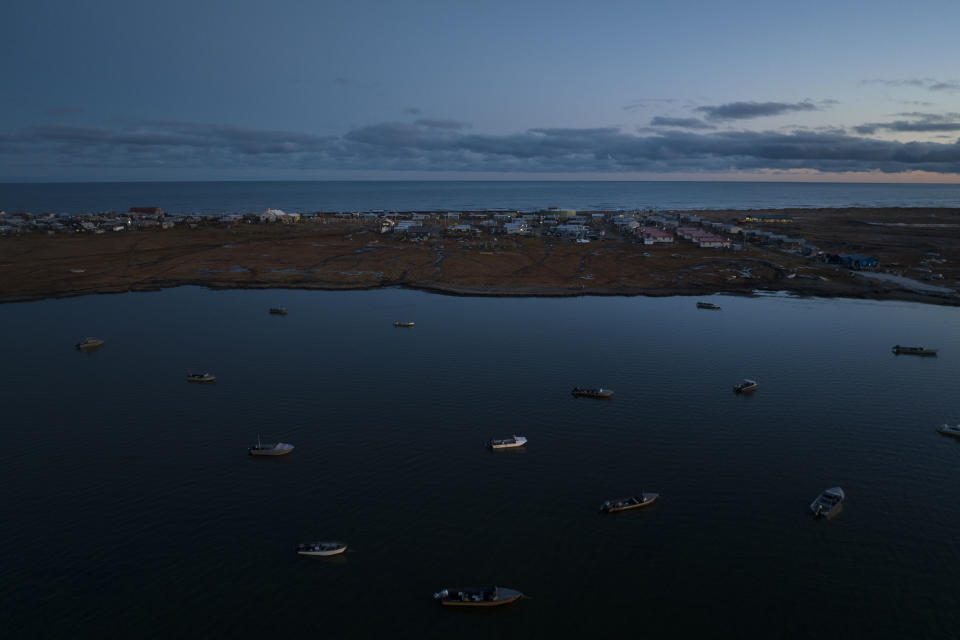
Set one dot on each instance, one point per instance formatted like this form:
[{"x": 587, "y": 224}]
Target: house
[
  {"x": 779, "y": 219},
  {"x": 653, "y": 235},
  {"x": 150, "y": 211},
  {"x": 854, "y": 260}
]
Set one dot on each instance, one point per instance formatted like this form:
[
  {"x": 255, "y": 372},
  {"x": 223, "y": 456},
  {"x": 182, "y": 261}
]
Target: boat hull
[
  {"x": 321, "y": 553},
  {"x": 504, "y": 596},
  {"x": 647, "y": 500},
  {"x": 948, "y": 430},
  {"x": 272, "y": 451}
]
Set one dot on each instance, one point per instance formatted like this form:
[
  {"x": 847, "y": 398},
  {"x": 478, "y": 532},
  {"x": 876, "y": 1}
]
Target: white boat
[
  {"x": 950, "y": 430},
  {"x": 201, "y": 377},
  {"x": 270, "y": 449},
  {"x": 828, "y": 503},
  {"x": 508, "y": 443},
  {"x": 321, "y": 548}
]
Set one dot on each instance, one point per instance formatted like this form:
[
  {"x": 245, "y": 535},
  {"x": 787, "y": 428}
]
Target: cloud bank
[
  {"x": 446, "y": 145},
  {"x": 749, "y": 110}
]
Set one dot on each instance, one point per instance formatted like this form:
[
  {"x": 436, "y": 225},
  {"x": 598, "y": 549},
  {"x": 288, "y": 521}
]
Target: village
[{"x": 550, "y": 251}]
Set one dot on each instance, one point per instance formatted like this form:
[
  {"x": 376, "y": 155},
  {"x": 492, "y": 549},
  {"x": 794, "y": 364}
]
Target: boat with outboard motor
[
  {"x": 625, "y": 504},
  {"x": 949, "y": 430},
  {"x": 402, "y": 324},
  {"x": 270, "y": 449},
  {"x": 477, "y": 596},
  {"x": 321, "y": 548},
  {"x": 278, "y": 311},
  {"x": 746, "y": 386},
  {"x": 582, "y": 392},
  {"x": 828, "y": 503},
  {"x": 89, "y": 343},
  {"x": 913, "y": 351},
  {"x": 201, "y": 377},
  {"x": 512, "y": 442}
]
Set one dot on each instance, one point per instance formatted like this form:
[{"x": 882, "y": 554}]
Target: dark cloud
[
  {"x": 683, "y": 123},
  {"x": 930, "y": 84},
  {"x": 440, "y": 123},
  {"x": 412, "y": 111},
  {"x": 411, "y": 146},
  {"x": 748, "y": 110},
  {"x": 921, "y": 122}
]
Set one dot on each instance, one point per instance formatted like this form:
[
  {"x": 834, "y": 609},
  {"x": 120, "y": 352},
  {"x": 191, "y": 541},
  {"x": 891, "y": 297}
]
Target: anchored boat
[
  {"x": 89, "y": 343},
  {"x": 321, "y": 548},
  {"x": 508, "y": 443},
  {"x": 913, "y": 351},
  {"x": 402, "y": 324},
  {"x": 746, "y": 386},
  {"x": 625, "y": 504},
  {"x": 708, "y": 305},
  {"x": 950, "y": 430},
  {"x": 271, "y": 449},
  {"x": 581, "y": 392},
  {"x": 477, "y": 596},
  {"x": 201, "y": 377},
  {"x": 828, "y": 503}
]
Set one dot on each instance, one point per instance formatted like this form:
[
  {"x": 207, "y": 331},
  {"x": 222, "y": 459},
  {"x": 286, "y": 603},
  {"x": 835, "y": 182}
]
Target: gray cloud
[
  {"x": 684, "y": 123},
  {"x": 412, "y": 111},
  {"x": 405, "y": 146},
  {"x": 748, "y": 110},
  {"x": 440, "y": 123},
  {"x": 921, "y": 122},
  {"x": 930, "y": 84}
]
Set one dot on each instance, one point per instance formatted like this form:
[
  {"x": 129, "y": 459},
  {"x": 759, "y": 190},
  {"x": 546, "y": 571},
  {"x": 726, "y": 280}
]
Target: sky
[{"x": 317, "y": 90}]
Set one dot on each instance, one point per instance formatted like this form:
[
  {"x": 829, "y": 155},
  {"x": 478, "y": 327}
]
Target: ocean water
[
  {"x": 133, "y": 510},
  {"x": 232, "y": 197}
]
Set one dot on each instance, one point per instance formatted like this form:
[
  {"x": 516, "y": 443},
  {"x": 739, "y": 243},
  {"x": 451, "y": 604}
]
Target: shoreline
[{"x": 336, "y": 254}]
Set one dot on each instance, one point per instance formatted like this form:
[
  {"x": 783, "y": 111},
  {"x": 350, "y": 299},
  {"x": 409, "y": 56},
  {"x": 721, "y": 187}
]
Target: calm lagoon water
[{"x": 132, "y": 508}]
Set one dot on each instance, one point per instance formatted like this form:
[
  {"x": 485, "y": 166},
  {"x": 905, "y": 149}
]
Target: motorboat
[
  {"x": 508, "y": 443},
  {"x": 321, "y": 548},
  {"x": 89, "y": 343},
  {"x": 913, "y": 351},
  {"x": 746, "y": 386},
  {"x": 477, "y": 596},
  {"x": 402, "y": 324},
  {"x": 582, "y": 392},
  {"x": 278, "y": 311},
  {"x": 950, "y": 430},
  {"x": 708, "y": 305},
  {"x": 625, "y": 504},
  {"x": 201, "y": 377},
  {"x": 828, "y": 503},
  {"x": 271, "y": 449}
]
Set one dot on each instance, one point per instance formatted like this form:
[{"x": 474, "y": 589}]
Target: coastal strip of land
[{"x": 882, "y": 253}]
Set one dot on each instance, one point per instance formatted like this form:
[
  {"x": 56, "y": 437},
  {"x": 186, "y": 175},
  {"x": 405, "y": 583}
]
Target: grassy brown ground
[{"x": 347, "y": 256}]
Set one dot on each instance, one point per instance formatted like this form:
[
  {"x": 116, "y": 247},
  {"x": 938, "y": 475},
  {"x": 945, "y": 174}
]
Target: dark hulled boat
[
  {"x": 625, "y": 504},
  {"x": 582, "y": 392},
  {"x": 913, "y": 351},
  {"x": 477, "y": 596}
]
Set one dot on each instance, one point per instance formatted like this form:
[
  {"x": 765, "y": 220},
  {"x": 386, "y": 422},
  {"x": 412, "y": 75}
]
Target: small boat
[
  {"x": 582, "y": 392},
  {"x": 402, "y": 324},
  {"x": 828, "y": 503},
  {"x": 746, "y": 386},
  {"x": 278, "y": 311},
  {"x": 508, "y": 443},
  {"x": 949, "y": 430},
  {"x": 201, "y": 377},
  {"x": 708, "y": 305},
  {"x": 913, "y": 351},
  {"x": 477, "y": 596},
  {"x": 321, "y": 548},
  {"x": 271, "y": 449},
  {"x": 89, "y": 343},
  {"x": 625, "y": 504}
]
